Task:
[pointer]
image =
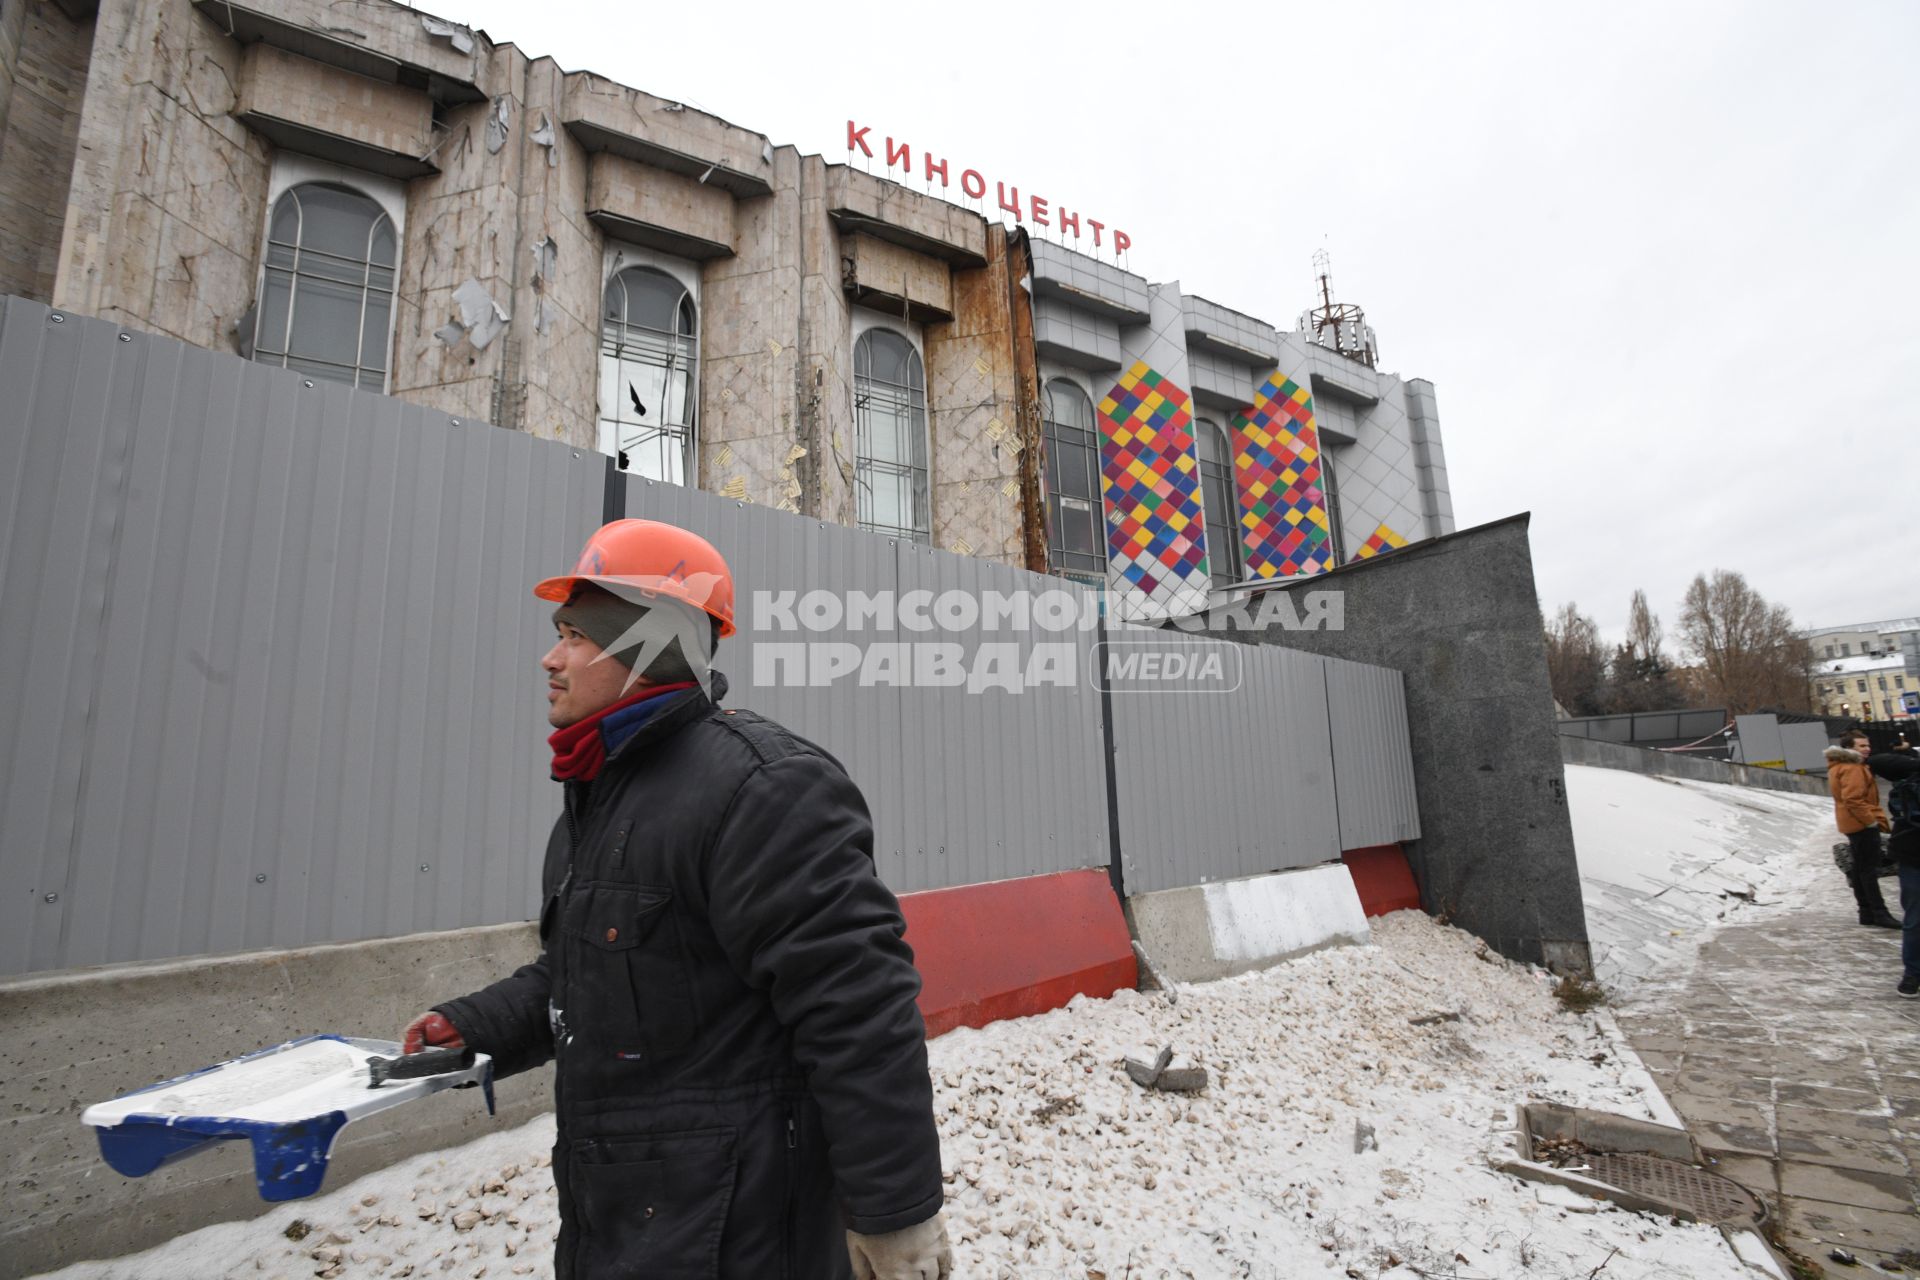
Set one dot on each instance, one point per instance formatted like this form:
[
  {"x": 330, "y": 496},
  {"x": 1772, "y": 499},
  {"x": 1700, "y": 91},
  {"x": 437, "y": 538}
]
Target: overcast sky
[{"x": 1661, "y": 262}]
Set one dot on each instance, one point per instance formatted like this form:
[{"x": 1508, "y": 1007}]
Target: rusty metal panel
[{"x": 1372, "y": 754}]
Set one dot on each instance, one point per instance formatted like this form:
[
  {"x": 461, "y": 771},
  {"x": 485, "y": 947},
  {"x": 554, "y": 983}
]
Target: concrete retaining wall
[
  {"x": 1460, "y": 617},
  {"x": 1208, "y": 931},
  {"x": 79, "y": 1037},
  {"x": 1665, "y": 764}
]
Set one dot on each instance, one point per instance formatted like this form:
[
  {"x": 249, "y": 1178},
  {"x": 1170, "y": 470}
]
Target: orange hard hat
[{"x": 653, "y": 559}]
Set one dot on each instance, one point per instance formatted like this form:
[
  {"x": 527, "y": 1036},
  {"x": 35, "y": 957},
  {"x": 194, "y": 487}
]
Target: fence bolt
[
  {"x": 425, "y": 867},
  {"x": 126, "y": 337},
  {"x": 261, "y": 878},
  {"x": 53, "y": 897},
  {"x": 57, "y": 318},
  {"x": 307, "y": 383},
  {"x": 576, "y": 453},
  {"x": 454, "y": 421}
]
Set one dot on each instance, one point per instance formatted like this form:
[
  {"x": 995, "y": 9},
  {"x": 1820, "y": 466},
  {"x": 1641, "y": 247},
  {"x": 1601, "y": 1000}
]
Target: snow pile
[
  {"x": 1058, "y": 1165},
  {"x": 1664, "y": 862}
]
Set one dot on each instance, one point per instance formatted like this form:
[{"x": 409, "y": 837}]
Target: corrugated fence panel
[
  {"x": 1372, "y": 759},
  {"x": 1218, "y": 782},
  {"x": 292, "y": 630},
  {"x": 965, "y": 785},
  {"x": 272, "y": 674},
  {"x": 63, "y": 441}
]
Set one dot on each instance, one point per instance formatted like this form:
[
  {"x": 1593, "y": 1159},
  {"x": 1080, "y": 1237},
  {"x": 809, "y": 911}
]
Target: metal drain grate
[{"x": 1711, "y": 1197}]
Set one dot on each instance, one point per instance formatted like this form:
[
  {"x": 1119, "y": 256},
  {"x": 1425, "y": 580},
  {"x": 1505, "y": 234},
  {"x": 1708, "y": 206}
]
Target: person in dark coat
[
  {"x": 740, "y": 1082},
  {"x": 1903, "y": 845},
  {"x": 1858, "y": 815}
]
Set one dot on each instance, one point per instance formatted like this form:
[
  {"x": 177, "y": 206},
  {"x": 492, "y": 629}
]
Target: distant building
[
  {"x": 370, "y": 195},
  {"x": 1861, "y": 669}
]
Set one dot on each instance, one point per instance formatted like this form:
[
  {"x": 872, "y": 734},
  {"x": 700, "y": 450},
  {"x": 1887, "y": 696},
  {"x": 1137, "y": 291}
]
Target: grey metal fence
[
  {"x": 1645, "y": 727},
  {"x": 269, "y": 655},
  {"x": 964, "y": 786},
  {"x": 1372, "y": 761},
  {"x": 1283, "y": 762},
  {"x": 269, "y": 659}
]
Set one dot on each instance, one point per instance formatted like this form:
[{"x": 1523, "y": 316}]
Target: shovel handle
[{"x": 415, "y": 1066}]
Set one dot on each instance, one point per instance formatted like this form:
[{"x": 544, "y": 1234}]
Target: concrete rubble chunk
[
  {"x": 1160, "y": 1074},
  {"x": 1364, "y": 1138}
]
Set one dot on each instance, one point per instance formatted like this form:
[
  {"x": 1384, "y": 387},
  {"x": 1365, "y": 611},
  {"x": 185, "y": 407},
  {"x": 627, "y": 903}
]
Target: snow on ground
[
  {"x": 1058, "y": 1165},
  {"x": 1664, "y": 862}
]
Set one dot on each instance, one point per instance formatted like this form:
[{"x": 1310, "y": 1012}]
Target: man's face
[
  {"x": 1863, "y": 745},
  {"x": 578, "y": 686}
]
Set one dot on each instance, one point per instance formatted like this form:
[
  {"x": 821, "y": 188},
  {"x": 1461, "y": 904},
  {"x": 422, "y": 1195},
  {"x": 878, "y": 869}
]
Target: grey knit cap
[{"x": 658, "y": 637}]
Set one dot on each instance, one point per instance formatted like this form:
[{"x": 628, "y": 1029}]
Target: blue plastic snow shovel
[{"x": 290, "y": 1102}]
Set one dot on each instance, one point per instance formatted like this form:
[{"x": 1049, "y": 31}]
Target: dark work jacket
[
  {"x": 1903, "y": 845},
  {"x": 740, "y": 1068}
]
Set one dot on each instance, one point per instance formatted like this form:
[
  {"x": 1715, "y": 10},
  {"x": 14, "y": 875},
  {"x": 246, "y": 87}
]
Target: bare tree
[
  {"x": 1639, "y": 677},
  {"x": 1576, "y": 662},
  {"x": 1751, "y": 656}
]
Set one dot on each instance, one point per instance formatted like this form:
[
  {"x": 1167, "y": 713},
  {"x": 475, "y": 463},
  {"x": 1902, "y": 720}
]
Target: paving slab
[
  {"x": 1797, "y": 1069},
  {"x": 1850, "y": 1225}
]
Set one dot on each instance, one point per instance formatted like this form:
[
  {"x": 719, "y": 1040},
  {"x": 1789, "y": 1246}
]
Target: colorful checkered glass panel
[
  {"x": 1156, "y": 533},
  {"x": 1382, "y": 541},
  {"x": 1283, "y": 513}
]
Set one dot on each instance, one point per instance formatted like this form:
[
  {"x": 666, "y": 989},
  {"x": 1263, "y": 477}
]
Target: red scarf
[{"x": 580, "y": 749}]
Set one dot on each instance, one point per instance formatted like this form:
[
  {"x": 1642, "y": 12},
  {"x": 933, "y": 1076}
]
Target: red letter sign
[{"x": 858, "y": 137}]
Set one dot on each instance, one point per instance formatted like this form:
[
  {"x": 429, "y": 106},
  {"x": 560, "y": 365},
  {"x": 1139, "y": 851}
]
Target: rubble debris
[
  {"x": 1429, "y": 1019},
  {"x": 1364, "y": 1138},
  {"x": 499, "y": 124},
  {"x": 458, "y": 36},
  {"x": 544, "y": 137},
  {"x": 546, "y": 259},
  {"x": 480, "y": 321},
  {"x": 1159, "y": 1074}
]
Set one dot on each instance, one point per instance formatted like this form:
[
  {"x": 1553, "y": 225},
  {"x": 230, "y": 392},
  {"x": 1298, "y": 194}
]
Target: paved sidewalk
[{"x": 1798, "y": 1068}]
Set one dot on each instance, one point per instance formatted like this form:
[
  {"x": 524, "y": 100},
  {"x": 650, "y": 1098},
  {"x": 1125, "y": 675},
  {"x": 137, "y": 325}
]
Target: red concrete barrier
[
  {"x": 1016, "y": 947},
  {"x": 1383, "y": 878}
]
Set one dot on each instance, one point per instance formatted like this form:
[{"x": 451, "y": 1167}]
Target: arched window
[
  {"x": 890, "y": 429},
  {"x": 1221, "y": 500},
  {"x": 649, "y": 374},
  {"x": 1076, "y": 532},
  {"x": 326, "y": 307}
]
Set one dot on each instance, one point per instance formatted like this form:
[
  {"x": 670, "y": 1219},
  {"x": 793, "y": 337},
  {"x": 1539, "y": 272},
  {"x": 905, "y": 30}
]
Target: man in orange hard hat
[{"x": 740, "y": 1075}]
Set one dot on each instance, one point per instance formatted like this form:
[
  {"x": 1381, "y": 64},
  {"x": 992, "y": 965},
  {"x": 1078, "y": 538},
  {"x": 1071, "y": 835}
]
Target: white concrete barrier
[{"x": 1202, "y": 932}]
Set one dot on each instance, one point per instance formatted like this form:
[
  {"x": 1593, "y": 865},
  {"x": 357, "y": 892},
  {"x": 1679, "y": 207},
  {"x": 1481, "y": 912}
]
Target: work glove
[
  {"x": 430, "y": 1031},
  {"x": 919, "y": 1252}
]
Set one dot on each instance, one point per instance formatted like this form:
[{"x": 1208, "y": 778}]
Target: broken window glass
[{"x": 649, "y": 369}]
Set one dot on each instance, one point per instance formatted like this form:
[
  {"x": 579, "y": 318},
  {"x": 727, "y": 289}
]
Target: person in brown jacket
[{"x": 1857, "y": 812}]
